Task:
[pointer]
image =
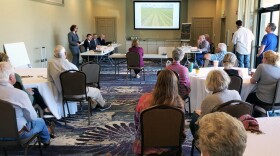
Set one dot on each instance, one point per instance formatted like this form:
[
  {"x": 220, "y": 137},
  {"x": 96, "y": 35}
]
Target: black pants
[
  {"x": 253, "y": 99},
  {"x": 136, "y": 71},
  {"x": 38, "y": 99}
]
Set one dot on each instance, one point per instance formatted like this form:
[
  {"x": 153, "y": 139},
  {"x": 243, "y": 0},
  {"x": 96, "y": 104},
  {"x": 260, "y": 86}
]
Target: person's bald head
[{"x": 59, "y": 51}]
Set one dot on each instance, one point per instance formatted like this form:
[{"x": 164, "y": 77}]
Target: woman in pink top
[
  {"x": 182, "y": 71},
  {"x": 135, "y": 48},
  {"x": 164, "y": 93}
]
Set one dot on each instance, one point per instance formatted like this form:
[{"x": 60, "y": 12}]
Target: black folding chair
[
  {"x": 155, "y": 128},
  {"x": 73, "y": 84},
  {"x": 133, "y": 62},
  {"x": 235, "y": 83},
  {"x": 92, "y": 71}
]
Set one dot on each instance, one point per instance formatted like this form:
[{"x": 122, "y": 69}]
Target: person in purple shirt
[
  {"x": 135, "y": 48},
  {"x": 182, "y": 71},
  {"x": 269, "y": 42}
]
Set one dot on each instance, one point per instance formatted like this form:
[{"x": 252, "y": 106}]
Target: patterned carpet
[{"x": 111, "y": 132}]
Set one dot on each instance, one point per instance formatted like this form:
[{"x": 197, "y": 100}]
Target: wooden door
[
  {"x": 200, "y": 26},
  {"x": 106, "y": 26}
]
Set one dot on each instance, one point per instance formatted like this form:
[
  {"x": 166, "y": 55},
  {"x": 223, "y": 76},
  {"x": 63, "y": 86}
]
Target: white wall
[{"x": 39, "y": 24}]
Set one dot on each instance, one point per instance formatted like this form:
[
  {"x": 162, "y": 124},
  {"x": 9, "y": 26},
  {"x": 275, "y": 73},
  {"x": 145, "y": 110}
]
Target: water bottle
[
  {"x": 87, "y": 49},
  {"x": 190, "y": 67}
]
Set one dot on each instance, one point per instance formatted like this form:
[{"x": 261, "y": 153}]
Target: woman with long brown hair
[{"x": 165, "y": 93}]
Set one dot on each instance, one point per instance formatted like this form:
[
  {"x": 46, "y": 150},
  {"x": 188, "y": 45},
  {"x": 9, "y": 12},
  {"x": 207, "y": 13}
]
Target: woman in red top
[{"x": 164, "y": 93}]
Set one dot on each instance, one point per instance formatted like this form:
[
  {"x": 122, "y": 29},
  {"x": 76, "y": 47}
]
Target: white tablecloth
[
  {"x": 37, "y": 78},
  {"x": 198, "y": 91},
  {"x": 266, "y": 144}
]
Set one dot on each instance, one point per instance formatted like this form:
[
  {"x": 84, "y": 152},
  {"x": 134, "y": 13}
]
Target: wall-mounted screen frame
[{"x": 163, "y": 15}]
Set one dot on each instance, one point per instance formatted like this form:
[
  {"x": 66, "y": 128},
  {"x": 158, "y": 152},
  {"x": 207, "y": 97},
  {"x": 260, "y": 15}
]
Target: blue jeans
[
  {"x": 243, "y": 60},
  {"x": 36, "y": 126},
  {"x": 199, "y": 59}
]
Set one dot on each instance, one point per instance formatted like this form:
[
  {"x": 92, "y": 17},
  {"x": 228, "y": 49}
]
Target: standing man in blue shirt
[{"x": 269, "y": 42}]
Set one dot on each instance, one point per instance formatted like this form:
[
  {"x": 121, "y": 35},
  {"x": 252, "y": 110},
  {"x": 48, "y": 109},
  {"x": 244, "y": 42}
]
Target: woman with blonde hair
[
  {"x": 165, "y": 93},
  {"x": 266, "y": 76},
  {"x": 229, "y": 62},
  {"x": 217, "y": 82},
  {"x": 229, "y": 140},
  {"x": 135, "y": 48}
]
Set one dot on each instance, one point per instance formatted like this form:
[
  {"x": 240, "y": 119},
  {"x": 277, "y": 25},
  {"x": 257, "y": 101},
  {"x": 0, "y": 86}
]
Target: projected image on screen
[{"x": 157, "y": 15}]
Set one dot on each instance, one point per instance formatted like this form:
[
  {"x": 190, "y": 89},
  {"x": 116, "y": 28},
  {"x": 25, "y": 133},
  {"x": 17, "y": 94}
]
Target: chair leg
[
  {"x": 64, "y": 113},
  {"x": 126, "y": 75},
  {"x": 5, "y": 151},
  {"x": 144, "y": 74},
  {"x": 68, "y": 109},
  {"x": 192, "y": 149},
  {"x": 189, "y": 100},
  {"x": 89, "y": 111},
  {"x": 40, "y": 147},
  {"x": 81, "y": 105},
  {"x": 26, "y": 149}
]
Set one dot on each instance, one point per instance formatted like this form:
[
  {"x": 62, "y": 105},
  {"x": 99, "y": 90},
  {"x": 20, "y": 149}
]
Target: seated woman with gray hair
[
  {"x": 182, "y": 71},
  {"x": 229, "y": 140},
  {"x": 217, "y": 82},
  {"x": 229, "y": 62}
]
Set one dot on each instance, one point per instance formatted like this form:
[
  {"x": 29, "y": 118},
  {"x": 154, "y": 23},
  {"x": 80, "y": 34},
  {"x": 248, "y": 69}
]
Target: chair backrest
[
  {"x": 73, "y": 82},
  {"x": 235, "y": 83},
  {"x": 161, "y": 126},
  {"x": 132, "y": 59},
  {"x": 82, "y": 48},
  {"x": 276, "y": 98},
  {"x": 235, "y": 108},
  {"x": 8, "y": 121},
  {"x": 92, "y": 71}
]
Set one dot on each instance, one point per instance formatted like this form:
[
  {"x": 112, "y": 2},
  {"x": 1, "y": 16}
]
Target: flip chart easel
[{"x": 17, "y": 54}]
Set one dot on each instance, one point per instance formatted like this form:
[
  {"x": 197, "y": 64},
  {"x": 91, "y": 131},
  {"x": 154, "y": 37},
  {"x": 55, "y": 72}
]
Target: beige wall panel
[{"x": 39, "y": 24}]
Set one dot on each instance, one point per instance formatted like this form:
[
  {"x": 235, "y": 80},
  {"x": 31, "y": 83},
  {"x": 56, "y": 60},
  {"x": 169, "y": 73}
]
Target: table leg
[{"x": 115, "y": 69}]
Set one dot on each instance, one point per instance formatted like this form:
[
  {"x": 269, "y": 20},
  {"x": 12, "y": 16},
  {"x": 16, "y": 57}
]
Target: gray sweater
[{"x": 211, "y": 101}]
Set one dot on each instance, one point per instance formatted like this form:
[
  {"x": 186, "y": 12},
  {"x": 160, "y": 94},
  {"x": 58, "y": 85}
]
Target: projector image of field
[{"x": 156, "y": 16}]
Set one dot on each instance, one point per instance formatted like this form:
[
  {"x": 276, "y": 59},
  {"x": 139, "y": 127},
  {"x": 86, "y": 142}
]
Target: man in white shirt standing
[{"x": 243, "y": 38}]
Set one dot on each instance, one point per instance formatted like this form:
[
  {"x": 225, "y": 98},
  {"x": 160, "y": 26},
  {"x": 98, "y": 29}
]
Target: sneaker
[
  {"x": 137, "y": 76},
  {"x": 105, "y": 107},
  {"x": 93, "y": 103},
  {"x": 48, "y": 115},
  {"x": 46, "y": 143}
]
